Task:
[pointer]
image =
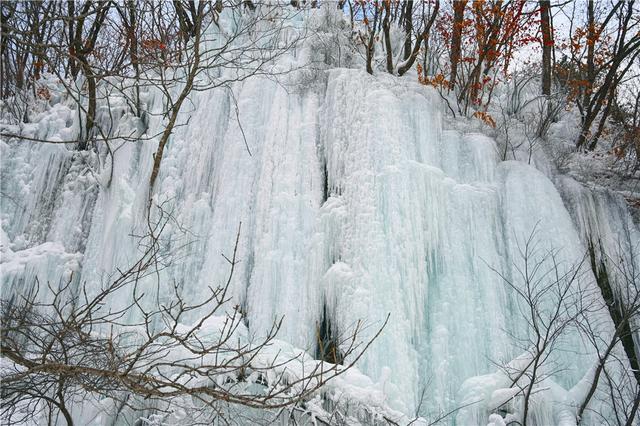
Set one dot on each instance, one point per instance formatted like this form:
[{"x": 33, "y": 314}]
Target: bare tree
[
  {"x": 121, "y": 48},
  {"x": 559, "y": 300},
  {"x": 550, "y": 299},
  {"x": 246, "y": 52},
  {"x": 427, "y": 20},
  {"x": 601, "y": 55},
  {"x": 620, "y": 289},
  {"x": 415, "y": 21},
  {"x": 62, "y": 344}
]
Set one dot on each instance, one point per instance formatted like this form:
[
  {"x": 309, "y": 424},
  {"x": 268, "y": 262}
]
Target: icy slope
[{"x": 355, "y": 203}]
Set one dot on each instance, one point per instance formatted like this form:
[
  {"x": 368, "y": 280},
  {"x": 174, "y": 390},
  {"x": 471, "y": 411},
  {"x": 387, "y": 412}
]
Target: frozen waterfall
[{"x": 358, "y": 200}]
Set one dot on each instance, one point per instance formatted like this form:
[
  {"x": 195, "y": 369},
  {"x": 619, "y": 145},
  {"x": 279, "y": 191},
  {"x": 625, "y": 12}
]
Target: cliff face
[{"x": 354, "y": 201}]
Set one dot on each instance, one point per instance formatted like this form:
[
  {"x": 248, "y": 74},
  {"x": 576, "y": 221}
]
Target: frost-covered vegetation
[{"x": 353, "y": 212}]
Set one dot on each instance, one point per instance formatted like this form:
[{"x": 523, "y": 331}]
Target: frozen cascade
[{"x": 355, "y": 200}]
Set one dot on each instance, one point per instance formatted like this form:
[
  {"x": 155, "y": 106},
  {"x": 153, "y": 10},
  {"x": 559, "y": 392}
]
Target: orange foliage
[
  {"x": 153, "y": 44},
  {"x": 38, "y": 65},
  {"x": 492, "y": 33},
  {"x": 43, "y": 93},
  {"x": 619, "y": 151},
  {"x": 485, "y": 117},
  {"x": 438, "y": 81}
]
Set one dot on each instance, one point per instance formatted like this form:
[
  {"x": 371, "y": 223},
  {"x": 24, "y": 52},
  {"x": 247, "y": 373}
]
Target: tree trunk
[
  {"x": 133, "y": 53},
  {"x": 61, "y": 404},
  {"x": 83, "y": 144},
  {"x": 591, "y": 42},
  {"x": 370, "y": 43},
  {"x": 456, "y": 39},
  {"x": 547, "y": 45},
  {"x": 408, "y": 28},
  {"x": 175, "y": 109},
  {"x": 73, "y": 64},
  {"x": 386, "y": 28}
]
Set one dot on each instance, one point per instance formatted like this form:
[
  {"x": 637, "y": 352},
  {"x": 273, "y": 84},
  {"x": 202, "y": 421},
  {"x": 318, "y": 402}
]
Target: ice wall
[{"x": 354, "y": 200}]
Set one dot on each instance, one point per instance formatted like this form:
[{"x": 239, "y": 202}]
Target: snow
[{"x": 355, "y": 199}]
